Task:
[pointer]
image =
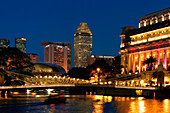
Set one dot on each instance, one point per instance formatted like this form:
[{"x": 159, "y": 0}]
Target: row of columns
[{"x": 139, "y": 60}]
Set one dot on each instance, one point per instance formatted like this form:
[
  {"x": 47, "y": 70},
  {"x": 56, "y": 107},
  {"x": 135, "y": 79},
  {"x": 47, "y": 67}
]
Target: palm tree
[{"x": 150, "y": 61}]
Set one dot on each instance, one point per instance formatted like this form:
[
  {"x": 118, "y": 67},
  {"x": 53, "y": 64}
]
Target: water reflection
[
  {"x": 166, "y": 105},
  {"x": 87, "y": 104}
]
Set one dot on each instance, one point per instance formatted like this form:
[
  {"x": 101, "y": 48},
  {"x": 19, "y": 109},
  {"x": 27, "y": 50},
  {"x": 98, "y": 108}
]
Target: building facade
[
  {"x": 107, "y": 58},
  {"x": 4, "y": 43},
  {"x": 20, "y": 43},
  {"x": 151, "y": 39},
  {"x": 82, "y": 45},
  {"x": 58, "y": 53},
  {"x": 34, "y": 58}
]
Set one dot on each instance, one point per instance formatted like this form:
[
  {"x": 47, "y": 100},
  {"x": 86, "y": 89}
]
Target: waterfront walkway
[{"x": 73, "y": 85}]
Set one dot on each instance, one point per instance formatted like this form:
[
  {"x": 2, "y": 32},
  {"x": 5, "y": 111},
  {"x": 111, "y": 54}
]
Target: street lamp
[{"x": 98, "y": 72}]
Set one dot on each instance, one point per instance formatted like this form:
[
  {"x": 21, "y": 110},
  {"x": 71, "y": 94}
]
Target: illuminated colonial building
[
  {"x": 82, "y": 45},
  {"x": 5, "y": 43},
  {"x": 58, "y": 53},
  {"x": 34, "y": 58},
  {"x": 152, "y": 38},
  {"x": 20, "y": 43}
]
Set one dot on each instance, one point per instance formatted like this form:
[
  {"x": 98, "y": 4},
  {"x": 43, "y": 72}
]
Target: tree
[
  {"x": 100, "y": 63},
  {"x": 13, "y": 58},
  {"x": 79, "y": 72},
  {"x": 150, "y": 61},
  {"x": 116, "y": 66}
]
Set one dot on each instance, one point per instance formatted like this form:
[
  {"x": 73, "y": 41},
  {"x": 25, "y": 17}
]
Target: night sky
[{"x": 57, "y": 21}]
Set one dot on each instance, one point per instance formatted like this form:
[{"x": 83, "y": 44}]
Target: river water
[{"x": 85, "y": 104}]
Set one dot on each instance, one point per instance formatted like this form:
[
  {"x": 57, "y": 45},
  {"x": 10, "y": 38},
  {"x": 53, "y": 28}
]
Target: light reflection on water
[{"x": 86, "y": 104}]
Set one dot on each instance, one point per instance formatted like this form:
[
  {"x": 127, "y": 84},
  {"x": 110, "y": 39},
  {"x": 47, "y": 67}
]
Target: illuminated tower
[
  {"x": 58, "y": 53},
  {"x": 4, "y": 43},
  {"x": 20, "y": 43},
  {"x": 82, "y": 45}
]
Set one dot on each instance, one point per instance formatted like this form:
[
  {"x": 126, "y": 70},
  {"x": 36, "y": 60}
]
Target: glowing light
[
  {"x": 101, "y": 83},
  {"x": 98, "y": 69},
  {"x": 165, "y": 62},
  {"x": 133, "y": 63},
  {"x": 132, "y": 81},
  {"x": 28, "y": 91},
  {"x": 49, "y": 91},
  {"x": 15, "y": 93},
  {"x": 109, "y": 82},
  {"x": 141, "y": 81}
]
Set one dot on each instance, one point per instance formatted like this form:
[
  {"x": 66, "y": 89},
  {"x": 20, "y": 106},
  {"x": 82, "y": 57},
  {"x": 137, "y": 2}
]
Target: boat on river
[{"x": 55, "y": 98}]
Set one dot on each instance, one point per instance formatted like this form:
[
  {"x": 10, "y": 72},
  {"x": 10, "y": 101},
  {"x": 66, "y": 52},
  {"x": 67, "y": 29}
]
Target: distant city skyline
[{"x": 57, "y": 21}]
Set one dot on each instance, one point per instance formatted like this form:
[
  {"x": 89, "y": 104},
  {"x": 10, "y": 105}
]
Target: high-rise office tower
[
  {"x": 4, "y": 43},
  {"x": 20, "y": 43},
  {"x": 82, "y": 45},
  {"x": 58, "y": 53}
]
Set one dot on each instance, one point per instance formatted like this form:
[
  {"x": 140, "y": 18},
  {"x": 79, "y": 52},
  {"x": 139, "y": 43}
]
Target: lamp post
[{"x": 98, "y": 72}]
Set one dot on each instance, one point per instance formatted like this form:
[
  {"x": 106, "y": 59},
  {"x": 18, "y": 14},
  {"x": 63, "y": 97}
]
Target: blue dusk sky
[{"x": 57, "y": 21}]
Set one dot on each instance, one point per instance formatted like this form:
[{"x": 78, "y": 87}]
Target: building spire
[{"x": 83, "y": 28}]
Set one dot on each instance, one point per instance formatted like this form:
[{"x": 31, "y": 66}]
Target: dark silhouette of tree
[
  {"x": 150, "y": 61},
  {"x": 7, "y": 79},
  {"x": 13, "y": 58},
  {"x": 102, "y": 64},
  {"x": 160, "y": 77},
  {"x": 79, "y": 72},
  {"x": 116, "y": 66}
]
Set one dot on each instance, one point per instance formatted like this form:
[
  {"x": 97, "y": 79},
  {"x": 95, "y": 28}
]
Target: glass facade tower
[
  {"x": 20, "y": 43},
  {"x": 4, "y": 43},
  {"x": 82, "y": 45}
]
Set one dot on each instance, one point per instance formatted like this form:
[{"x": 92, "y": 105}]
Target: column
[
  {"x": 158, "y": 60},
  {"x": 129, "y": 62},
  {"x": 151, "y": 56},
  {"x": 165, "y": 60},
  {"x": 151, "y": 53},
  {"x": 145, "y": 59},
  {"x": 133, "y": 62},
  {"x": 139, "y": 62}
]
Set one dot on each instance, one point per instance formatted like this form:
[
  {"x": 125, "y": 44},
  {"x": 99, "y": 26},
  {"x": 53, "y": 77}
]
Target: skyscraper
[
  {"x": 20, "y": 43},
  {"x": 4, "y": 43},
  {"x": 82, "y": 45},
  {"x": 58, "y": 53}
]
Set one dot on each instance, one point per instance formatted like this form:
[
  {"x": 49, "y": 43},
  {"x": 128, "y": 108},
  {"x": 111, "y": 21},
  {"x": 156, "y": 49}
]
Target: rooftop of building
[
  {"x": 83, "y": 28},
  {"x": 159, "y": 25},
  {"x": 155, "y": 13},
  {"x": 32, "y": 54},
  {"x": 4, "y": 39},
  {"x": 44, "y": 68},
  {"x": 20, "y": 38},
  {"x": 56, "y": 43}
]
